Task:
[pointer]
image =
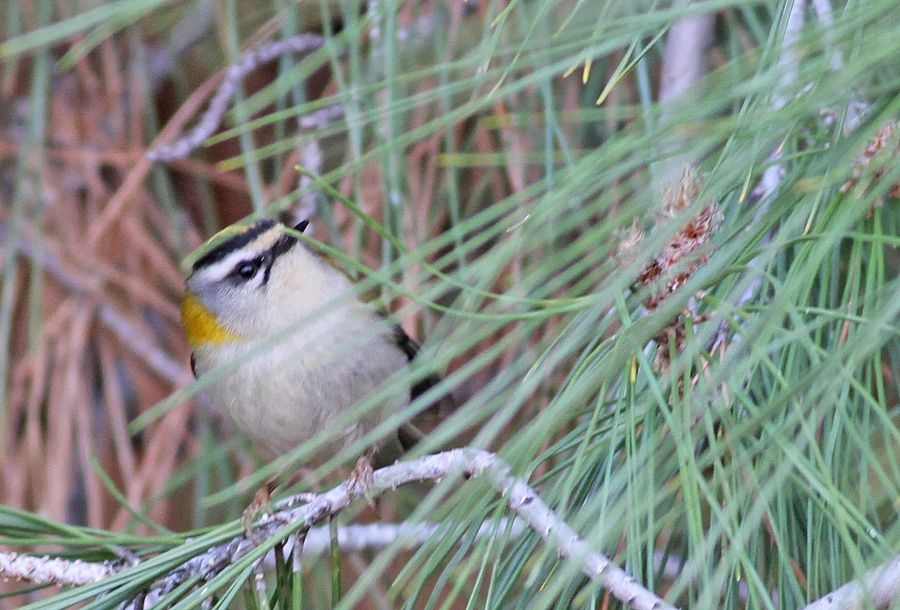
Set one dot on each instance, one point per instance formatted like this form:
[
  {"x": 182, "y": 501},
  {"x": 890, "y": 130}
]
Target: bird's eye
[{"x": 248, "y": 269}]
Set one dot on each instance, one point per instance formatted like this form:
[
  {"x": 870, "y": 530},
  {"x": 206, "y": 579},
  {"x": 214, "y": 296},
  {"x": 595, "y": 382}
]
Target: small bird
[{"x": 307, "y": 349}]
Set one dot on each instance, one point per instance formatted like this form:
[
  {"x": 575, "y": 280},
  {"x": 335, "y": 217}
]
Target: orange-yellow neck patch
[{"x": 200, "y": 326}]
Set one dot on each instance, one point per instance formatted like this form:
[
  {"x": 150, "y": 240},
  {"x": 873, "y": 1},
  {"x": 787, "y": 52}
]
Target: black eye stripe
[
  {"x": 247, "y": 269},
  {"x": 268, "y": 270},
  {"x": 283, "y": 245}
]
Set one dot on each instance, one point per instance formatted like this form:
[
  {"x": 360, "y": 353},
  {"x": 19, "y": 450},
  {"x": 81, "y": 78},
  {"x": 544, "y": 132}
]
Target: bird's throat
[{"x": 201, "y": 326}]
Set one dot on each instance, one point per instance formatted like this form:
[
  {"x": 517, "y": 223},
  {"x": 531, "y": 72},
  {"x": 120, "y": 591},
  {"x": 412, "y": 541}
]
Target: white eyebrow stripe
[{"x": 221, "y": 268}]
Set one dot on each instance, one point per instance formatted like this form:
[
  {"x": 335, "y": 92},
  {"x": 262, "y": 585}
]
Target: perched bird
[{"x": 307, "y": 349}]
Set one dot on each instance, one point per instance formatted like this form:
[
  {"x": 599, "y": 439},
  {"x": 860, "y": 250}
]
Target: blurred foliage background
[{"x": 720, "y": 416}]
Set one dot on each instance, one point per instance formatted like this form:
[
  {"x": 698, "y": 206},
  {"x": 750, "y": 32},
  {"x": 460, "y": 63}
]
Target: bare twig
[
  {"x": 856, "y": 109},
  {"x": 788, "y": 62},
  {"x": 321, "y": 118},
  {"x": 301, "y": 43},
  {"x": 420, "y": 30},
  {"x": 684, "y": 64},
  {"x": 773, "y": 175},
  {"x": 310, "y": 155}
]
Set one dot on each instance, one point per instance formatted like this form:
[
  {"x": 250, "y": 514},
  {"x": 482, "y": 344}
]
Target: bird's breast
[{"x": 286, "y": 390}]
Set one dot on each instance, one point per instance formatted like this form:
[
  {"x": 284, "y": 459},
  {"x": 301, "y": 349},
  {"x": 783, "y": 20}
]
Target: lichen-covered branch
[{"x": 49, "y": 570}]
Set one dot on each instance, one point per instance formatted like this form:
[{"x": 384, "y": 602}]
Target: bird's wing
[
  {"x": 411, "y": 349},
  {"x": 408, "y": 434}
]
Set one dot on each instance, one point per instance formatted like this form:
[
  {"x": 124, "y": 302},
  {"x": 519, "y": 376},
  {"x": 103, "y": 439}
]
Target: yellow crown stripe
[
  {"x": 229, "y": 232},
  {"x": 200, "y": 326}
]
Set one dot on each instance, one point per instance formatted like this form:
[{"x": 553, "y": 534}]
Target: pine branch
[{"x": 468, "y": 463}]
